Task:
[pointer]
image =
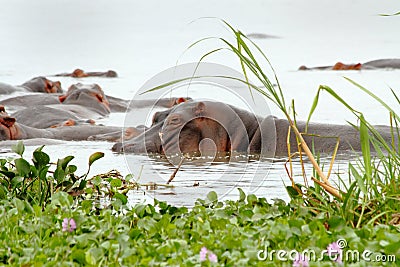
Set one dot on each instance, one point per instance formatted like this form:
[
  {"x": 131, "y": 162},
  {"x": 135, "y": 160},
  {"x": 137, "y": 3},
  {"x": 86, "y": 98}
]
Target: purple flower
[
  {"x": 68, "y": 225},
  {"x": 300, "y": 261},
  {"x": 335, "y": 252},
  {"x": 211, "y": 256},
  {"x": 203, "y": 254}
]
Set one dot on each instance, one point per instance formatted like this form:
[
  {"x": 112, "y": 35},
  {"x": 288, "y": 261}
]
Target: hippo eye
[{"x": 174, "y": 120}]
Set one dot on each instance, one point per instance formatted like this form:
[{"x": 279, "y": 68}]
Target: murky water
[{"x": 139, "y": 40}]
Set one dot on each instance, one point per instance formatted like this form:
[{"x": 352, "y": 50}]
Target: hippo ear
[
  {"x": 8, "y": 121},
  {"x": 2, "y": 108},
  {"x": 180, "y": 100},
  {"x": 199, "y": 109},
  {"x": 62, "y": 98}
]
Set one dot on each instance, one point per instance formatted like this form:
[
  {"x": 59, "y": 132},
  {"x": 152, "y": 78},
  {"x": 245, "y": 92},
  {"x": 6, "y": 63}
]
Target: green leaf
[
  {"x": 242, "y": 195},
  {"x": 40, "y": 159},
  {"x": 365, "y": 148},
  {"x": 121, "y": 197},
  {"x": 116, "y": 183},
  {"x": 23, "y": 167},
  {"x": 212, "y": 196},
  {"x": 19, "y": 148},
  {"x": 94, "y": 157},
  {"x": 63, "y": 163}
]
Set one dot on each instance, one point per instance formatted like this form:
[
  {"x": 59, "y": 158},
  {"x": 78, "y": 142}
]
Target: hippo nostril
[{"x": 99, "y": 98}]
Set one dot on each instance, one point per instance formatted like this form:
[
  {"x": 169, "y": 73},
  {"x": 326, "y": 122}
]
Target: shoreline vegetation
[{"x": 50, "y": 216}]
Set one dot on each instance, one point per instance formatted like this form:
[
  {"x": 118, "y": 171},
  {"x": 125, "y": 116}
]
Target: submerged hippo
[
  {"x": 191, "y": 126},
  {"x": 148, "y": 141},
  {"x": 91, "y": 96},
  {"x": 38, "y": 84},
  {"x": 42, "y": 117},
  {"x": 393, "y": 63},
  {"x": 78, "y": 73},
  {"x": 10, "y": 129}
]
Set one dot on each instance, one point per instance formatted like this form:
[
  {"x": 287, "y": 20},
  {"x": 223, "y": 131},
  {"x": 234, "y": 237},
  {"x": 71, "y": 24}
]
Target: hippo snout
[{"x": 117, "y": 147}]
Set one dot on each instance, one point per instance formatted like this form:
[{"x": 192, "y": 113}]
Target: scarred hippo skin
[
  {"x": 129, "y": 133},
  {"x": 12, "y": 130},
  {"x": 168, "y": 125},
  {"x": 38, "y": 84},
  {"x": 42, "y": 117},
  {"x": 78, "y": 73},
  {"x": 393, "y": 63},
  {"x": 230, "y": 128},
  {"x": 186, "y": 125},
  {"x": 148, "y": 141}
]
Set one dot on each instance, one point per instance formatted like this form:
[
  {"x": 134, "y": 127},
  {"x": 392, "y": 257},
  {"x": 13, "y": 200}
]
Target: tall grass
[{"x": 371, "y": 192}]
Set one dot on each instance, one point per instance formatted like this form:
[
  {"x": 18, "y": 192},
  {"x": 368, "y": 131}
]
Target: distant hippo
[
  {"x": 393, "y": 63},
  {"x": 12, "y": 130},
  {"x": 78, "y": 73},
  {"x": 230, "y": 129},
  {"x": 38, "y": 84}
]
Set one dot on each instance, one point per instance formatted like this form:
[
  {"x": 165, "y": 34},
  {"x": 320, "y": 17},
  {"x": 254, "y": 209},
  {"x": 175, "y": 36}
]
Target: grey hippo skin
[
  {"x": 148, "y": 141},
  {"x": 90, "y": 96},
  {"x": 38, "y": 84},
  {"x": 182, "y": 128},
  {"x": 78, "y": 73},
  {"x": 390, "y": 63},
  {"x": 10, "y": 129}
]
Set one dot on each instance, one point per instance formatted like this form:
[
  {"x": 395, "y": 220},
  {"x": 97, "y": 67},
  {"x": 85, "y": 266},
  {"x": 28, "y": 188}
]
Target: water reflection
[{"x": 197, "y": 176}]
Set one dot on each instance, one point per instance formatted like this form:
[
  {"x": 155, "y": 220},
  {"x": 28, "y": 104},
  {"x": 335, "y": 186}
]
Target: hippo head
[
  {"x": 78, "y": 73},
  {"x": 87, "y": 95},
  {"x": 8, "y": 131},
  {"x": 111, "y": 74},
  {"x": 148, "y": 141},
  {"x": 188, "y": 128},
  {"x": 42, "y": 85},
  {"x": 341, "y": 66}
]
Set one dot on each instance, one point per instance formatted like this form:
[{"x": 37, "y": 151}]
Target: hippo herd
[
  {"x": 45, "y": 110},
  {"x": 48, "y": 112}
]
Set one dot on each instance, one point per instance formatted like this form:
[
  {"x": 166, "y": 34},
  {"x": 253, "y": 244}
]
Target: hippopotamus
[
  {"x": 231, "y": 129},
  {"x": 148, "y": 141},
  {"x": 10, "y": 129},
  {"x": 38, "y": 84},
  {"x": 392, "y": 63},
  {"x": 42, "y": 117},
  {"x": 78, "y": 73},
  {"x": 89, "y": 95}
]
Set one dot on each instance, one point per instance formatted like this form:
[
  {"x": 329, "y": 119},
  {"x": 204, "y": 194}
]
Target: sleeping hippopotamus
[
  {"x": 42, "y": 117},
  {"x": 10, "y": 129},
  {"x": 78, "y": 73},
  {"x": 234, "y": 130},
  {"x": 38, "y": 84},
  {"x": 392, "y": 63},
  {"x": 88, "y": 95},
  {"x": 148, "y": 141}
]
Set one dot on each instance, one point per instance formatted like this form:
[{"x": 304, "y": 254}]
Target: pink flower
[
  {"x": 211, "y": 256},
  {"x": 68, "y": 225},
  {"x": 203, "y": 254},
  {"x": 300, "y": 261},
  {"x": 335, "y": 252}
]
